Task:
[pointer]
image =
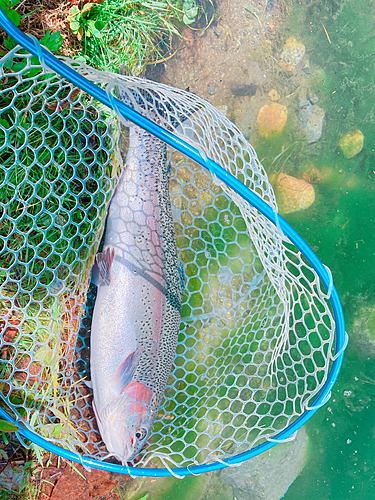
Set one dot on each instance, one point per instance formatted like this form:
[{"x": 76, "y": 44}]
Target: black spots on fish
[
  {"x": 158, "y": 247},
  {"x": 146, "y": 339},
  {"x": 160, "y": 363}
]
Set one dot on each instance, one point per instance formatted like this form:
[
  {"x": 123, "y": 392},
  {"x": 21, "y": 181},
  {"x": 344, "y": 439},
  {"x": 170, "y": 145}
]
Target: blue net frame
[{"x": 47, "y": 59}]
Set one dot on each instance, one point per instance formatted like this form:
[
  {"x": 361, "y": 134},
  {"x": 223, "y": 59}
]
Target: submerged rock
[
  {"x": 311, "y": 118},
  {"x": 292, "y": 54},
  {"x": 271, "y": 119},
  {"x": 314, "y": 124},
  {"x": 269, "y": 475},
  {"x": 351, "y": 143},
  {"x": 293, "y": 194},
  {"x": 318, "y": 175},
  {"x": 364, "y": 327}
]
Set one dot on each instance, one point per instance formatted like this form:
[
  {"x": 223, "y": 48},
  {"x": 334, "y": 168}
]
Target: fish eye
[{"x": 140, "y": 433}]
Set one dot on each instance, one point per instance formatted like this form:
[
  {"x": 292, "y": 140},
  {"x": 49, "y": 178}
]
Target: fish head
[{"x": 125, "y": 423}]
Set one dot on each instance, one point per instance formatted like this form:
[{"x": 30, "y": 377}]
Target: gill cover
[{"x": 125, "y": 423}]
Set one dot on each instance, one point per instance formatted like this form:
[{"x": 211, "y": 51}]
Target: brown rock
[
  {"x": 271, "y": 119},
  {"x": 293, "y": 194}
]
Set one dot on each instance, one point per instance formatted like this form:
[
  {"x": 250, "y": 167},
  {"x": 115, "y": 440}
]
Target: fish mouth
[
  {"x": 123, "y": 457},
  {"x": 126, "y": 453}
]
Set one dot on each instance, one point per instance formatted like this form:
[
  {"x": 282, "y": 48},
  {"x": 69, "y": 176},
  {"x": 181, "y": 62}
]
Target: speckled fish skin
[{"x": 140, "y": 309}]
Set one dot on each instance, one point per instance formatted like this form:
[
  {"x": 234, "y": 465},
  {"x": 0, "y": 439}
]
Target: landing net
[{"x": 257, "y": 331}]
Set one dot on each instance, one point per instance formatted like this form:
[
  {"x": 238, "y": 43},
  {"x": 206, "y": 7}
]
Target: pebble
[
  {"x": 223, "y": 108},
  {"x": 273, "y": 95},
  {"x": 351, "y": 143},
  {"x": 293, "y": 194},
  {"x": 292, "y": 54},
  {"x": 271, "y": 119}
]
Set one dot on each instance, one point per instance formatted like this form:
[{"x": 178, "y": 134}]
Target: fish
[{"x": 137, "y": 312}]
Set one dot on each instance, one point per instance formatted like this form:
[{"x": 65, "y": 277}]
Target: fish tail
[{"x": 171, "y": 112}]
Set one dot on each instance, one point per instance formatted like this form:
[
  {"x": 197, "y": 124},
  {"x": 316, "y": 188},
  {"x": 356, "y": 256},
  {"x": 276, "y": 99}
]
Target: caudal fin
[{"x": 170, "y": 112}]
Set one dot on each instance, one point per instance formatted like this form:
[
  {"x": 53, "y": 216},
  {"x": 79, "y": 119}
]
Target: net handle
[{"x": 133, "y": 116}]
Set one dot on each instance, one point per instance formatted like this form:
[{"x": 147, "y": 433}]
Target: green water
[
  {"x": 340, "y": 227},
  {"x": 341, "y": 230}
]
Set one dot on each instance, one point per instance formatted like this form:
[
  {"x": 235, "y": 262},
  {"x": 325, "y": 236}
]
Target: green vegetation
[
  {"x": 190, "y": 11},
  {"x": 111, "y": 34},
  {"x": 7, "y": 7},
  {"x": 13, "y": 15},
  {"x": 129, "y": 33}
]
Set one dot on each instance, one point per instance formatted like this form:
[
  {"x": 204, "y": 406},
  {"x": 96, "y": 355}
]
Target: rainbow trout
[{"x": 136, "y": 317}]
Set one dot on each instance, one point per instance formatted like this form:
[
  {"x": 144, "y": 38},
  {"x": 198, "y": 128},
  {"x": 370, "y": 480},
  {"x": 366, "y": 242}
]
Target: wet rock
[
  {"x": 311, "y": 117},
  {"x": 313, "y": 98},
  {"x": 293, "y": 194},
  {"x": 268, "y": 476},
  {"x": 271, "y": 119},
  {"x": 351, "y": 143},
  {"x": 273, "y": 95},
  {"x": 352, "y": 181},
  {"x": 250, "y": 77},
  {"x": 291, "y": 55}
]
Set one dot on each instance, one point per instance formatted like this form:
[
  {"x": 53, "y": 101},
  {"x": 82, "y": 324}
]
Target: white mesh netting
[{"x": 257, "y": 331}]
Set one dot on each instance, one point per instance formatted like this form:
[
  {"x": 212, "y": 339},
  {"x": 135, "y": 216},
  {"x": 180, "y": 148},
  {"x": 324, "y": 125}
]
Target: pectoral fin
[
  {"x": 126, "y": 370},
  {"x": 101, "y": 274}
]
